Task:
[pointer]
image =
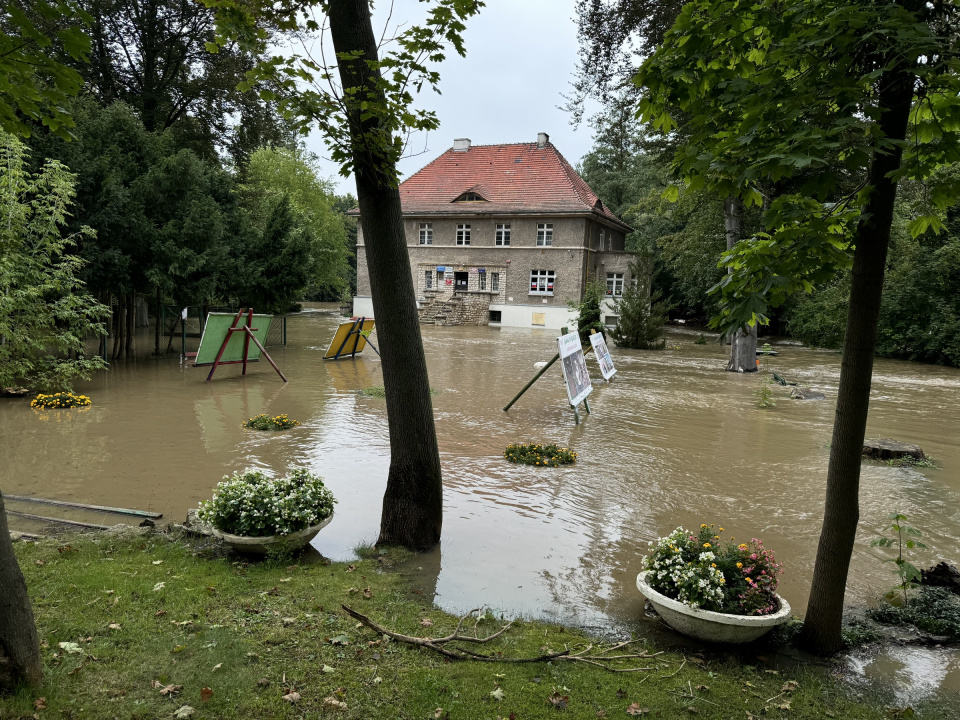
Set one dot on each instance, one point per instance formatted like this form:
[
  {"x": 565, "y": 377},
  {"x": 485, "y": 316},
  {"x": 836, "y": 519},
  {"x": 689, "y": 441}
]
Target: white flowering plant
[
  {"x": 255, "y": 505},
  {"x": 699, "y": 571}
]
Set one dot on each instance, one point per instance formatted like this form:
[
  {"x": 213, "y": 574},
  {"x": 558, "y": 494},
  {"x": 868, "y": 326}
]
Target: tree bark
[
  {"x": 131, "y": 316},
  {"x": 20, "y": 661},
  {"x": 156, "y": 322},
  {"x": 821, "y": 630},
  {"x": 743, "y": 345},
  {"x": 413, "y": 500}
]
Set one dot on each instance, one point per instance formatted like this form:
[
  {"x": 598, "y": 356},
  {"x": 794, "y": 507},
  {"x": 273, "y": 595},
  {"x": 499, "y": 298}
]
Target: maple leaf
[
  {"x": 497, "y": 694},
  {"x": 426, "y": 622},
  {"x": 170, "y": 690},
  {"x": 366, "y": 593},
  {"x": 558, "y": 701},
  {"x": 789, "y": 686},
  {"x": 205, "y": 694},
  {"x": 184, "y": 712},
  {"x": 635, "y": 709},
  {"x": 40, "y": 703},
  {"x": 114, "y": 626},
  {"x": 291, "y": 697},
  {"x": 217, "y": 666}
]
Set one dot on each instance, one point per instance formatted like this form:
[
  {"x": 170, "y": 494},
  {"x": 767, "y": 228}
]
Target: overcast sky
[{"x": 521, "y": 56}]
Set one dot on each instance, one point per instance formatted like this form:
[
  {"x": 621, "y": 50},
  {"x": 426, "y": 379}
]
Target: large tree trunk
[
  {"x": 413, "y": 501},
  {"x": 19, "y": 646},
  {"x": 743, "y": 345},
  {"x": 821, "y": 630}
]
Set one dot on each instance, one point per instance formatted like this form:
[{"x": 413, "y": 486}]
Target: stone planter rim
[
  {"x": 756, "y": 621},
  {"x": 240, "y": 540}
]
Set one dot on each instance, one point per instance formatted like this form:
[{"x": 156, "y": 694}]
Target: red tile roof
[{"x": 516, "y": 178}]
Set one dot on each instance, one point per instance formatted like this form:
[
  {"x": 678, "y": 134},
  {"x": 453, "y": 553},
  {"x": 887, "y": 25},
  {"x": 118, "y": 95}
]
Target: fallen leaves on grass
[
  {"x": 426, "y": 622},
  {"x": 367, "y": 594},
  {"x": 70, "y": 647},
  {"x": 291, "y": 697},
  {"x": 159, "y": 586},
  {"x": 558, "y": 701},
  {"x": 205, "y": 694},
  {"x": 40, "y": 703},
  {"x": 635, "y": 709},
  {"x": 184, "y": 712},
  {"x": 331, "y": 703},
  {"x": 114, "y": 626},
  {"x": 167, "y": 690},
  {"x": 497, "y": 694},
  {"x": 340, "y": 640}
]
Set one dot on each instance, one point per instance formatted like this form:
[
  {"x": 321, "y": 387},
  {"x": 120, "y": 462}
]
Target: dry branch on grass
[{"x": 591, "y": 654}]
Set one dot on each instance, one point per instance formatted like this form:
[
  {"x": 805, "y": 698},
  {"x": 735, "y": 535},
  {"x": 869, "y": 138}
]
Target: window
[
  {"x": 545, "y": 234},
  {"x": 495, "y": 315},
  {"x": 541, "y": 282},
  {"x": 614, "y": 284},
  {"x": 426, "y": 233},
  {"x": 428, "y": 279},
  {"x": 471, "y": 197},
  {"x": 482, "y": 280},
  {"x": 463, "y": 234},
  {"x": 503, "y": 234},
  {"x": 495, "y": 282},
  {"x": 601, "y": 239}
]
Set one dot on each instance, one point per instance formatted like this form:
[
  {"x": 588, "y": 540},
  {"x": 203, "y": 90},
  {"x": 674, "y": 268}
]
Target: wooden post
[{"x": 246, "y": 339}]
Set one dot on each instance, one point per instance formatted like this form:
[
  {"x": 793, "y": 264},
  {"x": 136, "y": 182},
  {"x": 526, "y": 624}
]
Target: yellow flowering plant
[
  {"x": 697, "y": 569},
  {"x": 265, "y": 422},
  {"x": 540, "y": 455},
  {"x": 59, "y": 400}
]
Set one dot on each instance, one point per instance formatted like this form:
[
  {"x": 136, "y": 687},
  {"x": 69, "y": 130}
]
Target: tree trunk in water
[
  {"x": 821, "y": 629},
  {"x": 118, "y": 329},
  {"x": 743, "y": 345},
  {"x": 131, "y": 316},
  {"x": 413, "y": 501},
  {"x": 19, "y": 646},
  {"x": 156, "y": 322}
]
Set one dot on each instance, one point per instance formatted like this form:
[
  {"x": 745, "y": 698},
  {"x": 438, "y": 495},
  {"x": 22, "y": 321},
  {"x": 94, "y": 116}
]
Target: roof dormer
[{"x": 471, "y": 196}]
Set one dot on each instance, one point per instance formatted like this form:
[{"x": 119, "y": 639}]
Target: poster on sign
[
  {"x": 603, "y": 356},
  {"x": 574, "y": 366}
]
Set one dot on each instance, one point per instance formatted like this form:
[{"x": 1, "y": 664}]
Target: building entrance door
[{"x": 460, "y": 281}]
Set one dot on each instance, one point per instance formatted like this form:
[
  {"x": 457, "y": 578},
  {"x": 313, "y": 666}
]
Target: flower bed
[
  {"x": 265, "y": 422},
  {"x": 253, "y": 505},
  {"x": 59, "y": 400},
  {"x": 698, "y": 570},
  {"x": 547, "y": 455}
]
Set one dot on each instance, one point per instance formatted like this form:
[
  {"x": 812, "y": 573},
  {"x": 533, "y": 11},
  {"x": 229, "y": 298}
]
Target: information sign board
[
  {"x": 603, "y": 356},
  {"x": 574, "y": 366}
]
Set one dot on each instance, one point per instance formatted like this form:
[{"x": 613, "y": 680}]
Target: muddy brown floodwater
[{"x": 673, "y": 440}]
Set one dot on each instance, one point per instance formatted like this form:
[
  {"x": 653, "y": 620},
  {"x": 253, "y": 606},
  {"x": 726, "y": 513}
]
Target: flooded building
[{"x": 506, "y": 235}]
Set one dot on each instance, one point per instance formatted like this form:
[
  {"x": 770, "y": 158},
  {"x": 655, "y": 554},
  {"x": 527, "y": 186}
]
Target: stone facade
[{"x": 574, "y": 258}]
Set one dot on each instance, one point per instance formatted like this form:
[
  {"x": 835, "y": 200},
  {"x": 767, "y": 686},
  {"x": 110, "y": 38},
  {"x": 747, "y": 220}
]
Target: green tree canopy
[{"x": 45, "y": 313}]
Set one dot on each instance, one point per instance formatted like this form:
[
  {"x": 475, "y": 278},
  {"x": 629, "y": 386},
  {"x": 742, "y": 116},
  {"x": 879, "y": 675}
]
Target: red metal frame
[{"x": 248, "y": 336}]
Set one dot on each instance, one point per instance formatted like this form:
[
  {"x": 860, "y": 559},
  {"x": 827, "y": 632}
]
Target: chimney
[
  {"x": 461, "y": 144},
  {"x": 542, "y": 139}
]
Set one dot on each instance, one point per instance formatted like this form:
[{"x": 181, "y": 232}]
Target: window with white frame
[
  {"x": 544, "y": 234},
  {"x": 463, "y": 234},
  {"x": 428, "y": 279},
  {"x": 542, "y": 281},
  {"x": 495, "y": 282},
  {"x": 482, "y": 280},
  {"x": 503, "y": 234},
  {"x": 426, "y": 233},
  {"x": 614, "y": 284}
]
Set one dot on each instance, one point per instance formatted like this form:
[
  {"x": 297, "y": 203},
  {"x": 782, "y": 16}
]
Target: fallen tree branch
[{"x": 442, "y": 646}]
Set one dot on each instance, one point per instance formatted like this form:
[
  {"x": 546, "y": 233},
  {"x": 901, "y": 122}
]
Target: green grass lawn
[{"x": 150, "y": 625}]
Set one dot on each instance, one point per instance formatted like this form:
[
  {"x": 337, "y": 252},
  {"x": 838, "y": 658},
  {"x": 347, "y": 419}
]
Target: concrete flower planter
[
  {"x": 708, "y": 625},
  {"x": 258, "y": 545}
]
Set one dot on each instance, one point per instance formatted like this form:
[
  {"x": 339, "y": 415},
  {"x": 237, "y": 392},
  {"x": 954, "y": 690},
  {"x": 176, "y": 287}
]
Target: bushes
[{"x": 641, "y": 314}]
